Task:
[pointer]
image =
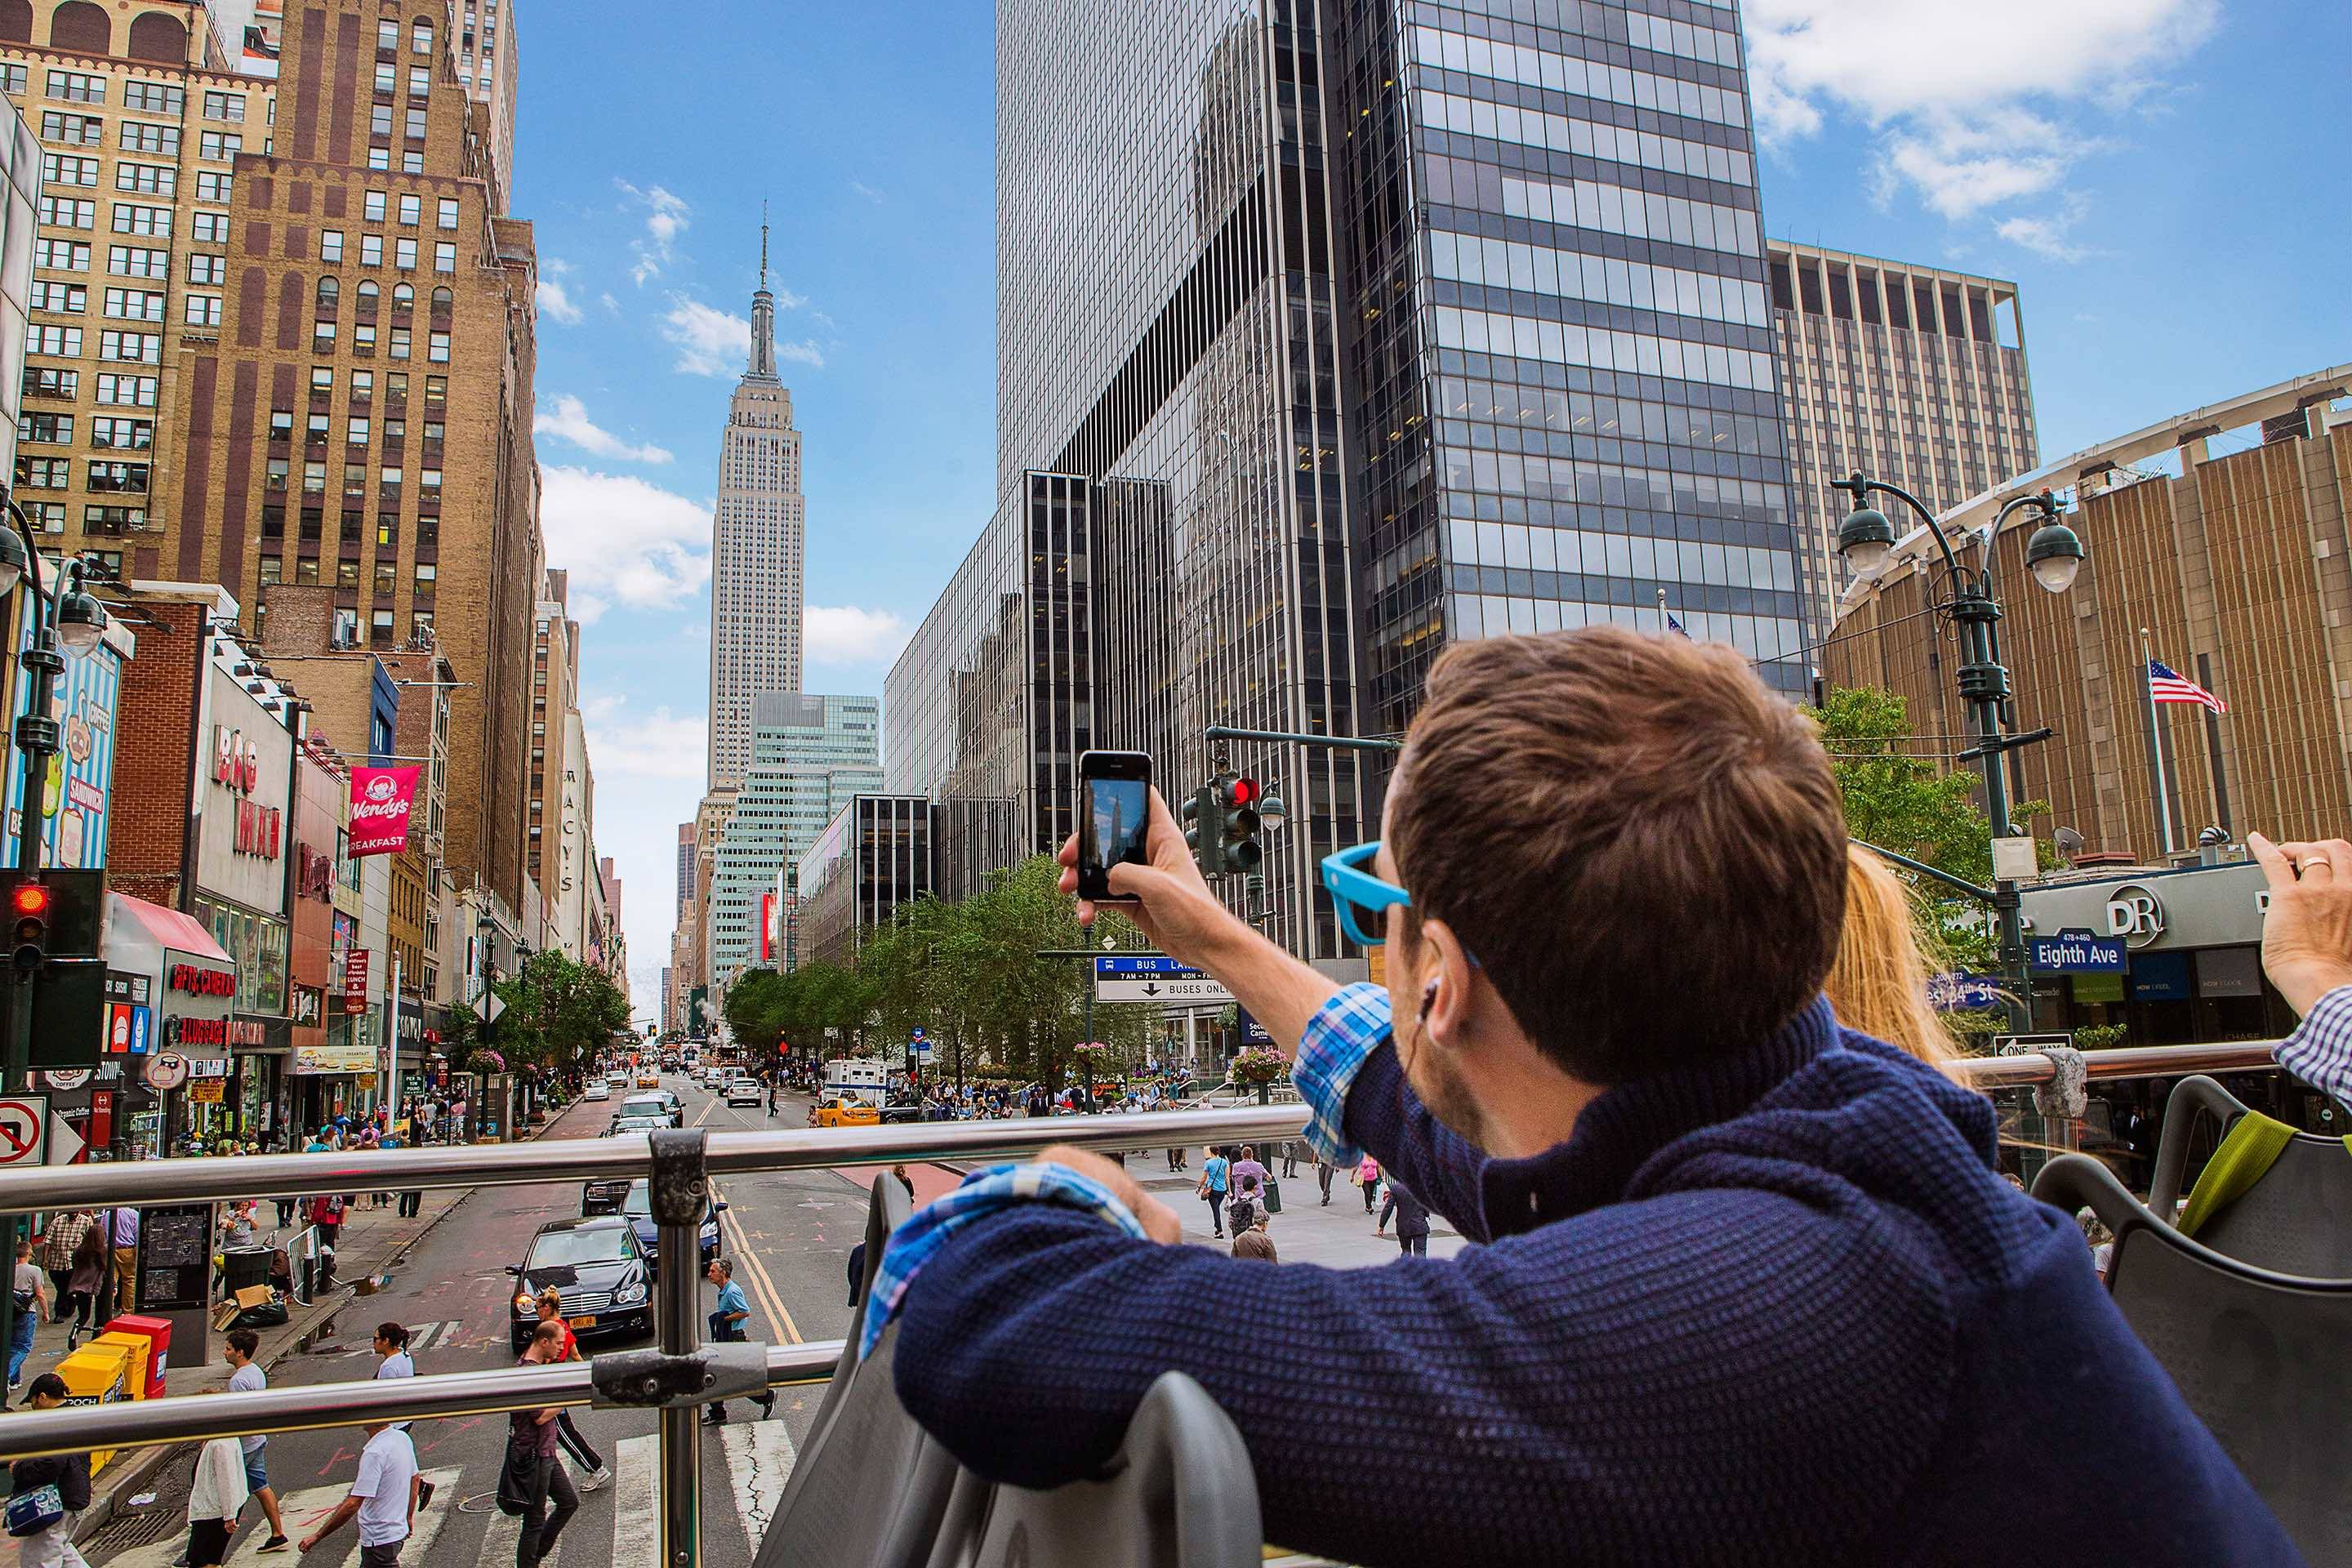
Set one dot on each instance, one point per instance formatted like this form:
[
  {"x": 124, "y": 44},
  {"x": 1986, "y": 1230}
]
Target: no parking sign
[{"x": 24, "y": 1129}]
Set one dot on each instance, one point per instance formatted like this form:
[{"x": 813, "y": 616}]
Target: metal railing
[{"x": 681, "y": 1375}]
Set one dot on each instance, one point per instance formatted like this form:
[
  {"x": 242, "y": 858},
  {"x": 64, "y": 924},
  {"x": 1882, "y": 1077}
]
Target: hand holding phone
[{"x": 1114, "y": 819}]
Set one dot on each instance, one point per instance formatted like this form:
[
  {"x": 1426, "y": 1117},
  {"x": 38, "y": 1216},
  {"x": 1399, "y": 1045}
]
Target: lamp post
[
  {"x": 2054, "y": 554},
  {"x": 63, "y": 614}
]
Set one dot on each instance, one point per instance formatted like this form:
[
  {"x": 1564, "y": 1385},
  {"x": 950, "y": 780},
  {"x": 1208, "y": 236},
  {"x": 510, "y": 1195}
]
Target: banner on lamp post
[{"x": 381, "y": 801}]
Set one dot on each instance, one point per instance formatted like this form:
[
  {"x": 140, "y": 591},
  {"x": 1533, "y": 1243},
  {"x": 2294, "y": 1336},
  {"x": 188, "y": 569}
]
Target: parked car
[
  {"x": 602, "y": 1272},
  {"x": 746, "y": 1091},
  {"x": 843, "y": 1114},
  {"x": 636, "y": 1205},
  {"x": 597, "y": 1089}
]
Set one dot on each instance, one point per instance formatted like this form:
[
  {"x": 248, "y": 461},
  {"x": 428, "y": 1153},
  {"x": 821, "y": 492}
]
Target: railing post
[{"x": 678, "y": 1189}]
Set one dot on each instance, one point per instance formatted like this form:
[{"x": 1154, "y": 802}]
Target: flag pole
[
  {"x": 2155, "y": 742},
  {"x": 1663, "y": 616}
]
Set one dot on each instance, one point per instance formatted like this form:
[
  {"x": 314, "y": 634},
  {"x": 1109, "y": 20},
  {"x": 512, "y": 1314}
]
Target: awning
[{"x": 147, "y": 939}]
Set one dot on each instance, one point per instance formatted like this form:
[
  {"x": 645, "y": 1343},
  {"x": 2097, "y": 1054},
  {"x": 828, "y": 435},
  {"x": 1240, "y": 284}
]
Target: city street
[{"x": 792, "y": 1232}]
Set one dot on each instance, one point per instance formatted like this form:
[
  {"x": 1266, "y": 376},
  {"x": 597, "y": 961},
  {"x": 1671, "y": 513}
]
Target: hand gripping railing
[{"x": 677, "y": 1378}]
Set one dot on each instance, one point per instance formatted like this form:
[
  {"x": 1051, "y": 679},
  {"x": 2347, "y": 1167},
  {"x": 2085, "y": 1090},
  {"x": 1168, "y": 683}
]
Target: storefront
[
  {"x": 320, "y": 788},
  {"x": 240, "y": 896},
  {"x": 169, "y": 986}
]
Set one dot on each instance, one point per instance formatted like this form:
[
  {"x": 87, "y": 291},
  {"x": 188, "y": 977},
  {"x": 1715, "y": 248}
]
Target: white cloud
[
  {"x": 570, "y": 422},
  {"x": 709, "y": 341},
  {"x": 554, "y": 300},
  {"x": 649, "y": 771},
  {"x": 844, "y": 634},
  {"x": 656, "y": 745},
  {"x": 1964, "y": 125},
  {"x": 622, "y": 540},
  {"x": 612, "y": 306},
  {"x": 861, "y": 188},
  {"x": 805, "y": 352},
  {"x": 2049, "y": 236},
  {"x": 665, "y": 220}
]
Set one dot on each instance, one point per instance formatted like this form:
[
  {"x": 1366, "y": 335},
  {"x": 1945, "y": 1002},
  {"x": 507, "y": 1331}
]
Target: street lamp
[{"x": 2054, "y": 554}]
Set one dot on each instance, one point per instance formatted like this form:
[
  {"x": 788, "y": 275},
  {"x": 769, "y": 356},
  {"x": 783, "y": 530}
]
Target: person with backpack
[
  {"x": 45, "y": 1523},
  {"x": 535, "y": 1475},
  {"x": 32, "y": 1302},
  {"x": 1215, "y": 1181},
  {"x": 1367, "y": 1176}
]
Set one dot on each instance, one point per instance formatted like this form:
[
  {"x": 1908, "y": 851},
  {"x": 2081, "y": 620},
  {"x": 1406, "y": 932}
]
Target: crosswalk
[{"x": 759, "y": 1456}]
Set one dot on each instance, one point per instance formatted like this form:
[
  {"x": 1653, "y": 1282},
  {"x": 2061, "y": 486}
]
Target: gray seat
[
  {"x": 2257, "y": 1354},
  {"x": 2297, "y": 1219},
  {"x": 871, "y": 1486}
]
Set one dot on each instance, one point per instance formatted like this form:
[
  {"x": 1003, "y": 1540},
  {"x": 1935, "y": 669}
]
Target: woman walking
[
  {"x": 1367, "y": 1176},
  {"x": 1212, "y": 1190},
  {"x": 83, "y": 1284},
  {"x": 58, "y": 1244}
]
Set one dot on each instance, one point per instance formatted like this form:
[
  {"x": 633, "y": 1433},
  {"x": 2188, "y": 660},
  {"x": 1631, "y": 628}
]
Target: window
[
  {"x": 429, "y": 484},
  {"x": 403, "y": 253},
  {"x": 385, "y": 573},
  {"x": 432, "y": 432},
  {"x": 387, "y": 37},
  {"x": 354, "y": 488},
  {"x": 122, "y": 434},
  {"x": 204, "y": 311},
  {"x": 275, "y": 473},
  {"x": 420, "y": 81},
  {"x": 398, "y": 342},
  {"x": 412, "y": 208},
  {"x": 13, "y": 81},
  {"x": 436, "y": 391},
  {"x": 102, "y": 563},
  {"x": 420, "y": 629},
  {"x": 380, "y": 627},
  {"x": 76, "y": 87},
  {"x": 273, "y": 568},
  {"x": 147, "y": 179},
  {"x": 155, "y": 97},
  {"x": 448, "y": 213},
  {"x": 314, "y": 478},
  {"x": 281, "y": 424},
  {"x": 209, "y": 228},
  {"x": 137, "y": 261},
  {"x": 71, "y": 297},
  {"x": 371, "y": 207},
  {"x": 135, "y": 305},
  {"x": 314, "y": 430},
  {"x": 363, "y": 386},
  {"x": 387, "y": 77},
  {"x": 60, "y": 169},
  {"x": 357, "y": 432},
  {"x": 49, "y": 429},
  {"x": 412, "y": 162},
  {"x": 413, "y": 124},
  {"x": 436, "y": 347},
  {"x": 219, "y": 146},
  {"x": 74, "y": 129},
  {"x": 58, "y": 212},
  {"x": 395, "y": 387},
  {"x": 62, "y": 255},
  {"x": 388, "y": 478},
  {"x": 48, "y": 473},
  {"x": 378, "y": 159},
  {"x": 347, "y": 575},
  {"x": 206, "y": 270},
  {"x": 48, "y": 381},
  {"x": 420, "y": 38},
  {"x": 395, "y": 431},
  {"x": 363, "y": 337},
  {"x": 306, "y": 570},
  {"x": 126, "y": 391},
  {"x": 47, "y": 516},
  {"x": 155, "y": 221},
  {"x": 213, "y": 188},
  {"x": 118, "y": 477},
  {"x": 138, "y": 348},
  {"x": 228, "y": 106},
  {"x": 331, "y": 244},
  {"x": 66, "y": 341},
  {"x": 445, "y": 257}
]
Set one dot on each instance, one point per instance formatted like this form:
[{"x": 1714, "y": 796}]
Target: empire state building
[{"x": 756, "y": 549}]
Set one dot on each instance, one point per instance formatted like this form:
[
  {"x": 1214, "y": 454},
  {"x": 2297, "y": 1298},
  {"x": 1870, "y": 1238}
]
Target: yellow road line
[{"x": 763, "y": 1286}]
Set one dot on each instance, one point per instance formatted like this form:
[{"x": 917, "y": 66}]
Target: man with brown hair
[{"x": 1751, "y": 1288}]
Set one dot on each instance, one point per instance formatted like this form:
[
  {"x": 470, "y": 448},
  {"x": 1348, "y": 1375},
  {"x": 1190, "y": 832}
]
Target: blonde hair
[{"x": 1879, "y": 982}]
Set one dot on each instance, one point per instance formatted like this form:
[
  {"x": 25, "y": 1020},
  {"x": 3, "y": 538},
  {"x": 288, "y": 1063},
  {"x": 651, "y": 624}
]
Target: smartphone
[{"x": 1114, "y": 818}]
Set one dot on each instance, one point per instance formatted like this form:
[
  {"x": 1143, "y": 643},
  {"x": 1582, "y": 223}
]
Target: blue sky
[{"x": 2164, "y": 179}]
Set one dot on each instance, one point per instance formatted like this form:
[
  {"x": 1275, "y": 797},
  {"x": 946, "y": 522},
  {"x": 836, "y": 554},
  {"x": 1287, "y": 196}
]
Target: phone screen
[{"x": 1117, "y": 787}]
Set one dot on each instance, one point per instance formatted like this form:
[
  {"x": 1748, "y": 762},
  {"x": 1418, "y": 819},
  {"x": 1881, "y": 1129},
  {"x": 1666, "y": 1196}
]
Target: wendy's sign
[{"x": 382, "y": 799}]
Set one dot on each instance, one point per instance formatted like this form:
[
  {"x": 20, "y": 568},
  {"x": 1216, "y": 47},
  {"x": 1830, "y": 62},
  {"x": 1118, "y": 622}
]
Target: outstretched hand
[
  {"x": 2307, "y": 933},
  {"x": 1174, "y": 903}
]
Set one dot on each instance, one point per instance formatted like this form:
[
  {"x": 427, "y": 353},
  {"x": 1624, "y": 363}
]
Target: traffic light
[
  {"x": 1204, "y": 829},
  {"x": 30, "y": 903},
  {"x": 1242, "y": 852}
]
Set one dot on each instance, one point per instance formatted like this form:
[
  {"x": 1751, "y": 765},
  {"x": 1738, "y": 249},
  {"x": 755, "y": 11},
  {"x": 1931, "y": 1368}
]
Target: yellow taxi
[
  {"x": 649, "y": 1079},
  {"x": 850, "y": 1112}
]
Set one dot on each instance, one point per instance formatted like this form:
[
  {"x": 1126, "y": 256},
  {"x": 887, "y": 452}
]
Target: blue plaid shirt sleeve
[
  {"x": 1340, "y": 1038},
  {"x": 2319, "y": 1052}
]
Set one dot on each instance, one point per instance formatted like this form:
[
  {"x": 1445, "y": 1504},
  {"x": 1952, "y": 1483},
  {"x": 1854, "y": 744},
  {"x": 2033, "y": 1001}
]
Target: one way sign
[{"x": 1135, "y": 979}]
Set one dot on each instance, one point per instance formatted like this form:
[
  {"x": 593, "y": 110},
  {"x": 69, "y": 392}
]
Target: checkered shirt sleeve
[
  {"x": 1344, "y": 1031},
  {"x": 2319, "y": 1052}
]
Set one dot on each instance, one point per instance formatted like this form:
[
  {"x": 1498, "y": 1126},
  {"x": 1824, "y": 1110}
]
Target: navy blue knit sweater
[{"x": 1773, "y": 1310}]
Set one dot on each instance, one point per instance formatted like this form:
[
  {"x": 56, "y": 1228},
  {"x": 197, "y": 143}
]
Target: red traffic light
[
  {"x": 1245, "y": 792},
  {"x": 30, "y": 900}
]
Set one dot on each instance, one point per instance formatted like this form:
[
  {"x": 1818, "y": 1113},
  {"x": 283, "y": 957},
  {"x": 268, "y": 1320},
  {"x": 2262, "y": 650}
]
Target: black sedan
[{"x": 602, "y": 1273}]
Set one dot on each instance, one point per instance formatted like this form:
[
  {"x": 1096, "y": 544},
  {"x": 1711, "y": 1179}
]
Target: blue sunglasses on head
[{"x": 1354, "y": 889}]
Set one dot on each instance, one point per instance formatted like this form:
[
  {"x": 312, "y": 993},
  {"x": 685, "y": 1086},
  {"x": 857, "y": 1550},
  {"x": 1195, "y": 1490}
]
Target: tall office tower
[
  {"x": 1915, "y": 374},
  {"x": 809, "y": 755},
  {"x": 685, "y": 863},
  {"x": 351, "y": 378},
  {"x": 1558, "y": 354},
  {"x": 486, "y": 62},
  {"x": 755, "y": 548}
]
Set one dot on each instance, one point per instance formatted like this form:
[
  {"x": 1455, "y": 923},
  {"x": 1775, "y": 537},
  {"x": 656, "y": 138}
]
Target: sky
[{"x": 2165, "y": 180}]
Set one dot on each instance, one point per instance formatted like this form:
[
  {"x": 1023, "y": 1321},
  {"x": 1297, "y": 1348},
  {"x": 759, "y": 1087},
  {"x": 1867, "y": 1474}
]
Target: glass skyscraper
[{"x": 809, "y": 755}]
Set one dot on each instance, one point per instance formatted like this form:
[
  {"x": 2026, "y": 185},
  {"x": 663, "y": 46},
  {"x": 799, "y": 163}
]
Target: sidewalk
[{"x": 373, "y": 1240}]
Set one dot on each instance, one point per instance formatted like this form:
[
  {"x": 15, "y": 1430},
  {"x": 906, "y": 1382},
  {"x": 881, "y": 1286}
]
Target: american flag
[{"x": 2165, "y": 685}]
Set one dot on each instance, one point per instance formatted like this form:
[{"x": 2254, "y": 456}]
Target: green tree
[{"x": 557, "y": 1011}]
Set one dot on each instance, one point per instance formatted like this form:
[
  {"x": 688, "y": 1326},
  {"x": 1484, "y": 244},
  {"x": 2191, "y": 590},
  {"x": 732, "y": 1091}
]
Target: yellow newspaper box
[
  {"x": 137, "y": 1347},
  {"x": 100, "y": 1374}
]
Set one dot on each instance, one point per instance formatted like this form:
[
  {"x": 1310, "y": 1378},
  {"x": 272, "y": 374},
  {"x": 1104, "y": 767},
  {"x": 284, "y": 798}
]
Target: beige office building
[{"x": 1914, "y": 374}]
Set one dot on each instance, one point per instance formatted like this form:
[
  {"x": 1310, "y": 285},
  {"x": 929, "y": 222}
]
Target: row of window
[
  {"x": 57, "y": 474},
  {"x": 123, "y": 261},
  {"x": 135, "y": 347},
  {"x": 411, "y": 208},
  {"x": 206, "y": 228},
  {"x": 331, "y": 249},
  {"x": 144, "y": 97},
  {"x": 317, "y": 429},
  {"x": 107, "y": 431},
  {"x": 73, "y": 300},
  {"x": 114, "y": 391},
  {"x": 278, "y": 474}
]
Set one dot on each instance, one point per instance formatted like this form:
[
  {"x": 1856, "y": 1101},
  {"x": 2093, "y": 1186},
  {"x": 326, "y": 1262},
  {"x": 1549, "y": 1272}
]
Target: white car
[
  {"x": 597, "y": 1089},
  {"x": 746, "y": 1091}
]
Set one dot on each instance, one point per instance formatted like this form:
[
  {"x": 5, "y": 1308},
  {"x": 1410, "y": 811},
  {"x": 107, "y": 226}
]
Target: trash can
[
  {"x": 98, "y": 1374},
  {"x": 152, "y": 1357},
  {"x": 1272, "y": 1196},
  {"x": 244, "y": 1266}
]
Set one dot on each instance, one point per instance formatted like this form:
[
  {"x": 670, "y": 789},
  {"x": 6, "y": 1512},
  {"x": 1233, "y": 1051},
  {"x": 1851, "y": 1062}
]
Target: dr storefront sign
[
  {"x": 237, "y": 767},
  {"x": 382, "y": 800}
]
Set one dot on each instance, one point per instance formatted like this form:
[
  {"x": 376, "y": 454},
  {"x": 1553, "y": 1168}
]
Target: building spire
[{"x": 764, "y": 315}]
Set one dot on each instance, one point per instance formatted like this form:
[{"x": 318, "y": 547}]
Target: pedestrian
[
  {"x": 1212, "y": 1190},
  {"x": 568, "y": 1437},
  {"x": 1253, "y": 1242},
  {"x": 1323, "y": 1172},
  {"x": 531, "y": 1451},
  {"x": 246, "y": 1376},
  {"x": 1249, "y": 1177},
  {"x": 1412, "y": 1220},
  {"x": 31, "y": 1296},
  {"x": 1367, "y": 1176},
  {"x": 385, "y": 1498},
  {"x": 1290, "y": 1158},
  {"x": 727, "y": 1320},
  {"x": 905, "y": 1181},
  {"x": 50, "y": 1546},
  {"x": 122, "y": 1233},
  {"x": 59, "y": 1242},
  {"x": 216, "y": 1496},
  {"x": 327, "y": 1211},
  {"x": 286, "y": 1207},
  {"x": 87, "y": 1280},
  {"x": 1172, "y": 1152}
]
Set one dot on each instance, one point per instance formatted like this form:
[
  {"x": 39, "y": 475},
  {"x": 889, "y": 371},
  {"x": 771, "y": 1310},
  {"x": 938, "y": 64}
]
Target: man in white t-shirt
[
  {"x": 246, "y": 1376},
  {"x": 383, "y": 1497}
]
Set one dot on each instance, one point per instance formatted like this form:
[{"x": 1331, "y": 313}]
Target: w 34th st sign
[{"x": 1126, "y": 979}]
